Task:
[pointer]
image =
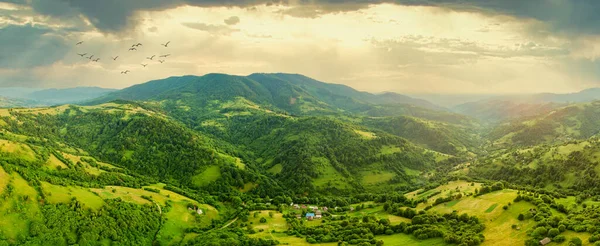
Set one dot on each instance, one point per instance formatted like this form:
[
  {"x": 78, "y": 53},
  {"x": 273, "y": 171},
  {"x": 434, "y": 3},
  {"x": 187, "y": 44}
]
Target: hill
[
  {"x": 501, "y": 108},
  {"x": 7, "y": 102},
  {"x": 68, "y": 95},
  {"x": 295, "y": 94},
  {"x": 52, "y": 192},
  {"x": 577, "y": 121},
  {"x": 452, "y": 139},
  {"x": 31, "y": 97}
]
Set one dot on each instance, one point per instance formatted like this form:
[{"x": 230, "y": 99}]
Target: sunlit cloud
[{"x": 382, "y": 47}]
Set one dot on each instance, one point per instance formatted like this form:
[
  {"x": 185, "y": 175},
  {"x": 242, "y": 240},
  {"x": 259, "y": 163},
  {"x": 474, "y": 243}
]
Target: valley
[{"x": 240, "y": 160}]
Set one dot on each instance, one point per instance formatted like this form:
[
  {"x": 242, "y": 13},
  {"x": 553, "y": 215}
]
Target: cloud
[
  {"x": 232, "y": 20},
  {"x": 568, "y": 17},
  {"x": 212, "y": 29},
  {"x": 28, "y": 46}
]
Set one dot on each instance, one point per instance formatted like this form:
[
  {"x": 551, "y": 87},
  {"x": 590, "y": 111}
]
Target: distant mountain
[
  {"x": 587, "y": 95},
  {"x": 502, "y": 108},
  {"x": 6, "y": 102},
  {"x": 69, "y": 95},
  {"x": 576, "y": 121},
  {"x": 293, "y": 93},
  {"x": 24, "y": 97},
  {"x": 439, "y": 136}
]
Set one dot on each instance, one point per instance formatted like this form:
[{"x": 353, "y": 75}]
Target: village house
[
  {"x": 298, "y": 216},
  {"x": 303, "y": 206},
  {"x": 310, "y": 216},
  {"x": 296, "y": 206},
  {"x": 351, "y": 208},
  {"x": 313, "y": 207},
  {"x": 545, "y": 241},
  {"x": 318, "y": 214},
  {"x": 324, "y": 209}
]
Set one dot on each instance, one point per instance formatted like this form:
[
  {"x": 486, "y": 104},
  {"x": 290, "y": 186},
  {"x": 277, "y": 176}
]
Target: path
[
  {"x": 159, "y": 209},
  {"x": 228, "y": 224}
]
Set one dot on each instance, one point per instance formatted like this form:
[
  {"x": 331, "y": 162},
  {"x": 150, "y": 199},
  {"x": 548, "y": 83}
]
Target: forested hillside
[
  {"x": 577, "y": 121},
  {"x": 222, "y": 159}
]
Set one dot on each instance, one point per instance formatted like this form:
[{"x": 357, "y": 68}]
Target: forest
[{"x": 276, "y": 159}]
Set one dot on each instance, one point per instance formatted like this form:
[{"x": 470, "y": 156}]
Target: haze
[{"x": 404, "y": 46}]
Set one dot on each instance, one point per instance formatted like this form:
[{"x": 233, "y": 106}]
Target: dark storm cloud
[
  {"x": 569, "y": 17},
  {"x": 28, "y": 46}
]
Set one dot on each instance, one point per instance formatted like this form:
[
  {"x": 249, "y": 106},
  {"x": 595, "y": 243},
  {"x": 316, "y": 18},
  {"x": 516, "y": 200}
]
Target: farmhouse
[
  {"x": 318, "y": 214},
  {"x": 310, "y": 216},
  {"x": 325, "y": 209},
  {"x": 296, "y": 206},
  {"x": 545, "y": 241}
]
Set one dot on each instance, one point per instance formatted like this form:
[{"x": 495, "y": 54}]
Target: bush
[
  {"x": 263, "y": 220},
  {"x": 559, "y": 239},
  {"x": 575, "y": 242}
]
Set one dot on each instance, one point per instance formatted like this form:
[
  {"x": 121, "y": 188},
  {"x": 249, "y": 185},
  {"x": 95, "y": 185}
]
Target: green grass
[
  {"x": 328, "y": 175},
  {"x": 275, "y": 169},
  {"x": 62, "y": 194},
  {"x": 211, "y": 174},
  {"x": 20, "y": 150},
  {"x": 452, "y": 203},
  {"x": 285, "y": 239},
  {"x": 179, "y": 218},
  {"x": 404, "y": 239},
  {"x": 4, "y": 179},
  {"x": 584, "y": 236},
  {"x": 248, "y": 187},
  {"x": 17, "y": 210},
  {"x": 375, "y": 177},
  {"x": 54, "y": 163},
  {"x": 491, "y": 208},
  {"x": 498, "y": 229},
  {"x": 389, "y": 149}
]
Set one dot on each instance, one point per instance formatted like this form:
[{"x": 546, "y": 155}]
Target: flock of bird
[{"x": 133, "y": 47}]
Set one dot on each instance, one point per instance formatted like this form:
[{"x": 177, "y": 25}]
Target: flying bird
[
  {"x": 90, "y": 57},
  {"x": 80, "y": 42},
  {"x": 82, "y": 54},
  {"x": 161, "y": 61},
  {"x": 165, "y": 55},
  {"x": 166, "y": 44},
  {"x": 125, "y": 72},
  {"x": 115, "y": 58},
  {"x": 138, "y": 44},
  {"x": 150, "y": 58},
  {"x": 132, "y": 49},
  {"x": 96, "y": 59},
  {"x": 144, "y": 65}
]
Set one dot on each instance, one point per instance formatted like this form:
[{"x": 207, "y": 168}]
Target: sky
[{"x": 404, "y": 46}]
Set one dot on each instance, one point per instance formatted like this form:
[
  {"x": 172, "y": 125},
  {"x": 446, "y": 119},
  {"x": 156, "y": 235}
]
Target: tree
[
  {"x": 521, "y": 217},
  {"x": 559, "y": 239},
  {"x": 540, "y": 232},
  {"x": 575, "y": 241},
  {"x": 553, "y": 232},
  {"x": 263, "y": 220},
  {"x": 271, "y": 214}
]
